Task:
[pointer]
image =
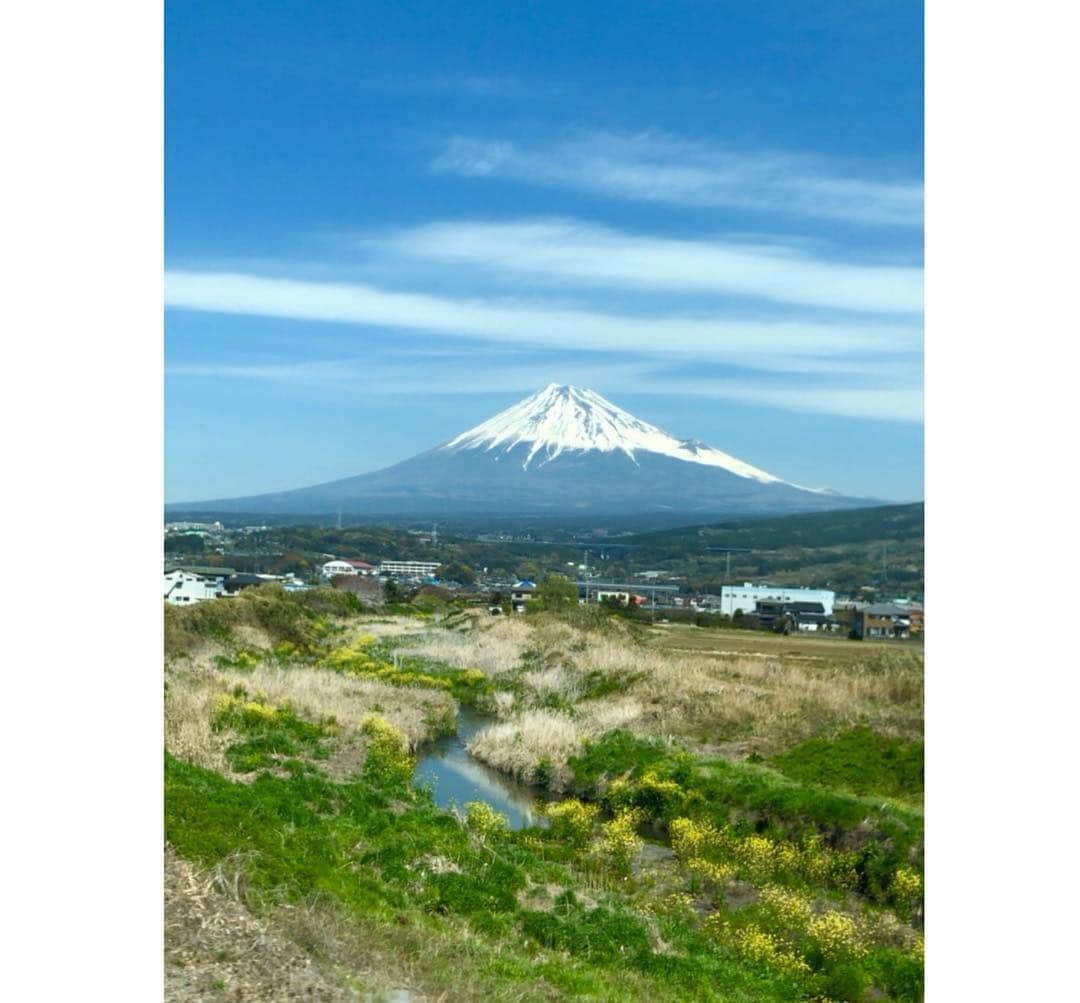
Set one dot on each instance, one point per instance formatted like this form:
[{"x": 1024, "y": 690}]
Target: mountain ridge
[{"x": 563, "y": 449}]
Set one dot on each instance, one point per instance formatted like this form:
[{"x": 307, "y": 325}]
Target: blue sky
[{"x": 386, "y": 221}]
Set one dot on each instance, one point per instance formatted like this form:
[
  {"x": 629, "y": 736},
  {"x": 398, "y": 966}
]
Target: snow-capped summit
[
  {"x": 564, "y": 451},
  {"x": 562, "y": 418}
]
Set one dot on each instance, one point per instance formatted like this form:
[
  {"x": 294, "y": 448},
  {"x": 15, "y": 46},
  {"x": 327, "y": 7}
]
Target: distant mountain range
[{"x": 563, "y": 451}]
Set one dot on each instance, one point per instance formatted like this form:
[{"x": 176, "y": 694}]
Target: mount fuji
[{"x": 563, "y": 451}]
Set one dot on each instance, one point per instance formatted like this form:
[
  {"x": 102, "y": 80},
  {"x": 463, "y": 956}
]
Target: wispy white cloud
[
  {"x": 576, "y": 253},
  {"x": 891, "y": 403},
  {"x": 381, "y": 375},
  {"x": 693, "y": 335},
  {"x": 657, "y": 167}
]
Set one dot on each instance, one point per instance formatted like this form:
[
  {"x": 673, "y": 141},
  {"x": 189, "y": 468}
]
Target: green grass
[
  {"x": 483, "y": 912},
  {"x": 268, "y": 735},
  {"x": 754, "y": 798},
  {"x": 362, "y": 845},
  {"x": 860, "y": 761},
  {"x": 297, "y": 617}
]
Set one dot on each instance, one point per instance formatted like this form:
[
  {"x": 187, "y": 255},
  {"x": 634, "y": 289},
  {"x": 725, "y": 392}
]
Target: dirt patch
[
  {"x": 215, "y": 949},
  {"x": 739, "y": 894},
  {"x": 218, "y": 951}
]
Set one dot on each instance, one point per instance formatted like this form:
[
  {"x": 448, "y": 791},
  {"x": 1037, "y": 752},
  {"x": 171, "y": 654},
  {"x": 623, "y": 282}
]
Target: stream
[{"x": 456, "y": 778}]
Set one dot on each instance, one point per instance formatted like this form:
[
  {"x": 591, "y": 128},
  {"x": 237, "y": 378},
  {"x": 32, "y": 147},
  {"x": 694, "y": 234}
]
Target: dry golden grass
[
  {"x": 387, "y": 626},
  {"x": 560, "y": 683},
  {"x": 494, "y": 646},
  {"x": 189, "y": 708},
  {"x": 517, "y": 746},
  {"x": 718, "y": 691},
  {"x": 318, "y": 693},
  {"x": 195, "y": 684}
]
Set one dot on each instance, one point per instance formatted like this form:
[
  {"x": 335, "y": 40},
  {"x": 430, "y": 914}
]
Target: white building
[
  {"x": 745, "y": 597},
  {"x": 331, "y": 569},
  {"x": 408, "y": 569},
  {"x": 183, "y": 587}
]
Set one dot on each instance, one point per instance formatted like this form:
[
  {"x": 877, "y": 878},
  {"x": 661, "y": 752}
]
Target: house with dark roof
[
  {"x": 802, "y": 616},
  {"x": 239, "y": 581},
  {"x": 886, "y": 619}
]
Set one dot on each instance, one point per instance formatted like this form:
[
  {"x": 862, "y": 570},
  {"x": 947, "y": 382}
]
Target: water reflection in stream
[{"x": 456, "y": 778}]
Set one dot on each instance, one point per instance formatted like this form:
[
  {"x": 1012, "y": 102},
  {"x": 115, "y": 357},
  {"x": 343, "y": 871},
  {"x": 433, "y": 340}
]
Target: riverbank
[
  {"x": 455, "y": 778},
  {"x": 766, "y": 875}
]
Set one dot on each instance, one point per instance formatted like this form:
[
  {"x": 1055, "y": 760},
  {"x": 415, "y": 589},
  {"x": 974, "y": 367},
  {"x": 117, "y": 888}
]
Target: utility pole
[{"x": 728, "y": 551}]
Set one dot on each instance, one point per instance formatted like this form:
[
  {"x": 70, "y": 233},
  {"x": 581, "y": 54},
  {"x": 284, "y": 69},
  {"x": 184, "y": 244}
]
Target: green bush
[
  {"x": 268, "y": 733},
  {"x": 859, "y": 761}
]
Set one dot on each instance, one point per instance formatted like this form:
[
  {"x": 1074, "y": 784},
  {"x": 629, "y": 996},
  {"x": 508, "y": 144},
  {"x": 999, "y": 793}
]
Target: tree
[
  {"x": 527, "y": 570},
  {"x": 556, "y": 592},
  {"x": 456, "y": 571},
  {"x": 187, "y": 544}
]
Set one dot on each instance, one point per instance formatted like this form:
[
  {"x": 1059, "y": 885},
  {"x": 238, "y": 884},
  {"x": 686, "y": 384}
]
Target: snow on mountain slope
[{"x": 562, "y": 419}]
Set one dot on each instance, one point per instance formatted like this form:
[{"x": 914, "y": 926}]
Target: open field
[
  {"x": 682, "y": 637},
  {"x": 733, "y": 816}
]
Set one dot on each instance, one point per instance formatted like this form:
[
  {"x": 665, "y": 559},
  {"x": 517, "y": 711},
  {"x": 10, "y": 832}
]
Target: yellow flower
[
  {"x": 386, "y": 754},
  {"x": 758, "y": 945},
  {"x": 717, "y": 874},
  {"x": 837, "y": 935},
  {"x": 572, "y": 820},
  {"x": 691, "y": 839},
  {"x": 484, "y": 820},
  {"x": 620, "y": 841},
  {"x": 789, "y": 907},
  {"x": 906, "y": 885}
]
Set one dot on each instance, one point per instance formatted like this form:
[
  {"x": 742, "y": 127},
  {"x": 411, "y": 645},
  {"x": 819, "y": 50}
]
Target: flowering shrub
[
  {"x": 387, "y": 761},
  {"x": 789, "y": 908},
  {"x": 471, "y": 677},
  {"x": 906, "y": 889},
  {"x": 761, "y": 859},
  {"x": 659, "y": 797},
  {"x": 269, "y": 731},
  {"x": 244, "y": 660},
  {"x": 714, "y": 874},
  {"x": 572, "y": 820},
  {"x": 691, "y": 839},
  {"x": 620, "y": 842},
  {"x": 358, "y": 659},
  {"x": 757, "y": 945},
  {"x": 620, "y": 794},
  {"x": 484, "y": 820},
  {"x": 836, "y": 936},
  {"x": 755, "y": 855}
]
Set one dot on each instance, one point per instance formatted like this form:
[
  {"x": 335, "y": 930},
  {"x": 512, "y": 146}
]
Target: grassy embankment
[{"x": 795, "y": 872}]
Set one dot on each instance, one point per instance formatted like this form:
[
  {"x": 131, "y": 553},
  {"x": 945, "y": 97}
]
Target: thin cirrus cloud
[
  {"x": 657, "y": 167},
  {"x": 695, "y": 335},
  {"x": 397, "y": 377},
  {"x": 580, "y": 253}
]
